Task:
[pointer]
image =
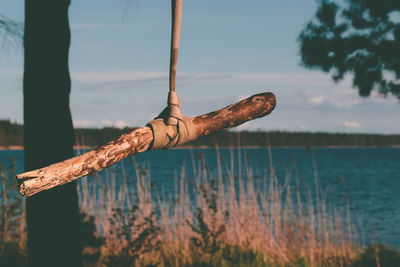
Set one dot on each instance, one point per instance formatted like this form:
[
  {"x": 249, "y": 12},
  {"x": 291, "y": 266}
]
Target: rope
[
  {"x": 170, "y": 128},
  {"x": 173, "y": 100},
  {"x": 168, "y": 136}
]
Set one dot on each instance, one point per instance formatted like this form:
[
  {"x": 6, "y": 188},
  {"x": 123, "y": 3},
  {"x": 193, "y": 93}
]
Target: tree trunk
[{"x": 48, "y": 133}]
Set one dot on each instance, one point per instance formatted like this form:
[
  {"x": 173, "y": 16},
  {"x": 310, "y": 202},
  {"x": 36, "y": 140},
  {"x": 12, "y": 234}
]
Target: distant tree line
[
  {"x": 297, "y": 139},
  {"x": 11, "y": 134}
]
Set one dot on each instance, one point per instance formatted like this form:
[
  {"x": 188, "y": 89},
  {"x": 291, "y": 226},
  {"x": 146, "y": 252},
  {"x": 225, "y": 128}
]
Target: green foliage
[
  {"x": 233, "y": 256},
  {"x": 91, "y": 241},
  {"x": 296, "y": 139},
  {"x": 11, "y": 205},
  {"x": 11, "y": 134},
  {"x": 12, "y": 255},
  {"x": 378, "y": 255},
  {"x": 11, "y": 208},
  {"x": 208, "y": 234},
  {"x": 361, "y": 37},
  {"x": 140, "y": 235}
]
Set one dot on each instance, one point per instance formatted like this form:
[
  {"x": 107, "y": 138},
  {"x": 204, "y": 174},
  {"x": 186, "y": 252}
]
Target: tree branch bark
[{"x": 137, "y": 141}]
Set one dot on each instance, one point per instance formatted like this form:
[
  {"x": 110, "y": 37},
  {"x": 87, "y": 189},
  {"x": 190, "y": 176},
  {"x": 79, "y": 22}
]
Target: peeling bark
[{"x": 137, "y": 141}]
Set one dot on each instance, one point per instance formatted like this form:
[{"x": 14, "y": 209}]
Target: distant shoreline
[
  {"x": 208, "y": 147},
  {"x": 11, "y": 137}
]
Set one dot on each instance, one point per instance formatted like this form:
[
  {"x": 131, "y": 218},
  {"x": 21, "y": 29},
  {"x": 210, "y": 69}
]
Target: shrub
[
  {"x": 378, "y": 256},
  {"x": 11, "y": 254},
  {"x": 208, "y": 233},
  {"x": 91, "y": 241},
  {"x": 134, "y": 236}
]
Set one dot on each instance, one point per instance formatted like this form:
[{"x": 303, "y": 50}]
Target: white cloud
[
  {"x": 248, "y": 126},
  {"x": 106, "y": 123},
  {"x": 118, "y": 123},
  {"x": 121, "y": 124},
  {"x": 300, "y": 96},
  {"x": 285, "y": 78},
  {"x": 344, "y": 97},
  {"x": 242, "y": 97},
  {"x": 82, "y": 123},
  {"x": 317, "y": 100},
  {"x": 344, "y": 102},
  {"x": 351, "y": 124},
  {"x": 341, "y": 97}
]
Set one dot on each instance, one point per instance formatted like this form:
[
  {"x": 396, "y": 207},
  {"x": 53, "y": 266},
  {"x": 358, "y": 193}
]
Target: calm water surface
[{"x": 368, "y": 179}]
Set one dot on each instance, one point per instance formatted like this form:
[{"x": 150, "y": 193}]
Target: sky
[{"x": 229, "y": 50}]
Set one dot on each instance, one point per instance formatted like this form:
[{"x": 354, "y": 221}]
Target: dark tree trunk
[{"x": 48, "y": 133}]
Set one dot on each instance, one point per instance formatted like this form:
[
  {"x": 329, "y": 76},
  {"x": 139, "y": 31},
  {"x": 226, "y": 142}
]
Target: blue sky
[{"x": 229, "y": 49}]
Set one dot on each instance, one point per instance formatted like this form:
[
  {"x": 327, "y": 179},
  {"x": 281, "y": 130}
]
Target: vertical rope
[
  {"x": 173, "y": 100},
  {"x": 170, "y": 128},
  {"x": 175, "y": 36}
]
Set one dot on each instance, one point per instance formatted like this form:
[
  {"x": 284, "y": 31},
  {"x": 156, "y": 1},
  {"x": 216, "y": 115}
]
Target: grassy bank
[{"x": 209, "y": 219}]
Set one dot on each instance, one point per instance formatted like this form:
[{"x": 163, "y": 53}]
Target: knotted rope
[{"x": 170, "y": 128}]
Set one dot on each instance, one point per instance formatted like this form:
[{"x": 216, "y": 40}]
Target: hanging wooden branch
[{"x": 137, "y": 141}]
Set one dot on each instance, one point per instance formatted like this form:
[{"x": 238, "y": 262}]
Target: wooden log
[{"x": 137, "y": 141}]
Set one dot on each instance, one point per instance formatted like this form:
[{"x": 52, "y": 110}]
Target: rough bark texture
[
  {"x": 137, "y": 141},
  {"x": 248, "y": 109},
  {"x": 52, "y": 216}
]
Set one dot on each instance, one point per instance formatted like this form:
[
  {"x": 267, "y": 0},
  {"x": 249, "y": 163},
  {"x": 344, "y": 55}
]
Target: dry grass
[{"x": 214, "y": 213}]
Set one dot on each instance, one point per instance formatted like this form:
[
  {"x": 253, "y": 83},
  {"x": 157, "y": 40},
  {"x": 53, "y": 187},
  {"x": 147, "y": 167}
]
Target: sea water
[{"x": 365, "y": 179}]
